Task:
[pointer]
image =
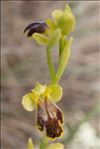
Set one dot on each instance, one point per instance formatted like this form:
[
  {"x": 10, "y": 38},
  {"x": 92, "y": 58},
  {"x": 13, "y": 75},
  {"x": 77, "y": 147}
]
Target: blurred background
[{"x": 23, "y": 63}]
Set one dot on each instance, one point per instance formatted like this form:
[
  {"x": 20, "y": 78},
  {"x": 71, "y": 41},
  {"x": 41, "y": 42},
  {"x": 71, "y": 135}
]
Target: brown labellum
[
  {"x": 50, "y": 118},
  {"x": 36, "y": 27}
]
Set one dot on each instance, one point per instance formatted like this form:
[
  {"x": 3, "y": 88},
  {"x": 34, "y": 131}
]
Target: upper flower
[
  {"x": 50, "y": 31},
  {"x": 64, "y": 20},
  {"x": 42, "y": 32},
  {"x": 49, "y": 116}
]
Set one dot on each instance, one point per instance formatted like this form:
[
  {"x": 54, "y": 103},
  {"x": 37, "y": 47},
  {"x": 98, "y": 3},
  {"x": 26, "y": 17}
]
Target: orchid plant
[{"x": 43, "y": 98}]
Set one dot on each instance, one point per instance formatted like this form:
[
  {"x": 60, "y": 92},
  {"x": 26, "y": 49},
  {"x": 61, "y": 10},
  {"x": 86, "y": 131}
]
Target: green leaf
[
  {"x": 40, "y": 38},
  {"x": 64, "y": 57},
  {"x": 29, "y": 102},
  {"x": 56, "y": 92},
  {"x": 54, "y": 38},
  {"x": 30, "y": 144},
  {"x": 55, "y": 146}
]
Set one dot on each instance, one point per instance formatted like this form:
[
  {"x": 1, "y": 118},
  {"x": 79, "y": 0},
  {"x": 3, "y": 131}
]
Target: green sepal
[
  {"x": 57, "y": 14},
  {"x": 40, "y": 38},
  {"x": 64, "y": 20},
  {"x": 30, "y": 144},
  {"x": 54, "y": 38},
  {"x": 29, "y": 102},
  {"x": 39, "y": 89},
  {"x": 51, "y": 24},
  {"x": 56, "y": 92}
]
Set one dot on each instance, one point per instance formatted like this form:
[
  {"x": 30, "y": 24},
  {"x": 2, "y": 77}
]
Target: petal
[
  {"x": 36, "y": 27},
  {"x": 30, "y": 144},
  {"x": 56, "y": 92},
  {"x": 69, "y": 20},
  {"x": 31, "y": 32},
  {"x": 66, "y": 23},
  {"x": 54, "y": 111},
  {"x": 54, "y": 38},
  {"x": 41, "y": 116},
  {"x": 40, "y": 38},
  {"x": 47, "y": 93},
  {"x": 53, "y": 129},
  {"x": 67, "y": 9},
  {"x": 70, "y": 23},
  {"x": 51, "y": 24},
  {"x": 65, "y": 20},
  {"x": 56, "y": 14},
  {"x": 29, "y": 101},
  {"x": 56, "y": 146},
  {"x": 30, "y": 26},
  {"x": 50, "y": 117},
  {"x": 39, "y": 89}
]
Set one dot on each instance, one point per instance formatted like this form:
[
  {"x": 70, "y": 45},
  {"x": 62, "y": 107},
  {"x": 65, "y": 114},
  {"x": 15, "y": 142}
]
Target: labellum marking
[{"x": 50, "y": 117}]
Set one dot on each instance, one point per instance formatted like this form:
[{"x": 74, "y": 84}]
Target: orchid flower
[{"x": 43, "y": 98}]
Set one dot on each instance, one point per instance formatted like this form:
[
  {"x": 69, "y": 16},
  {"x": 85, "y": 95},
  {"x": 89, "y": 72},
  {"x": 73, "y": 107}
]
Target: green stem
[
  {"x": 44, "y": 143},
  {"x": 50, "y": 65},
  {"x": 61, "y": 45},
  {"x": 64, "y": 58}
]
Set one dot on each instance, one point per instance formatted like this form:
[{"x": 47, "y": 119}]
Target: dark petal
[
  {"x": 60, "y": 115},
  {"x": 41, "y": 115},
  {"x": 55, "y": 119},
  {"x": 40, "y": 28},
  {"x": 40, "y": 124},
  {"x": 50, "y": 117},
  {"x": 54, "y": 110},
  {"x": 36, "y": 28},
  {"x": 53, "y": 129},
  {"x": 30, "y": 26},
  {"x": 31, "y": 31}
]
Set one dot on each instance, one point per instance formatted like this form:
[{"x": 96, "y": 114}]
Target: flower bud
[
  {"x": 30, "y": 144},
  {"x": 65, "y": 20}
]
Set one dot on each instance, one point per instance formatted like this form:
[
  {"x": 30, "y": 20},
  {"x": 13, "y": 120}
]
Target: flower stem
[
  {"x": 50, "y": 65},
  {"x": 63, "y": 59}
]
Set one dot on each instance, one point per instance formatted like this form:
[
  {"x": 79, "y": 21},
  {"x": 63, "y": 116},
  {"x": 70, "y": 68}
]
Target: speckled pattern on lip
[{"x": 50, "y": 118}]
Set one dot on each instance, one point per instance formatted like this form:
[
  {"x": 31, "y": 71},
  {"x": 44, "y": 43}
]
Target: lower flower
[{"x": 49, "y": 116}]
